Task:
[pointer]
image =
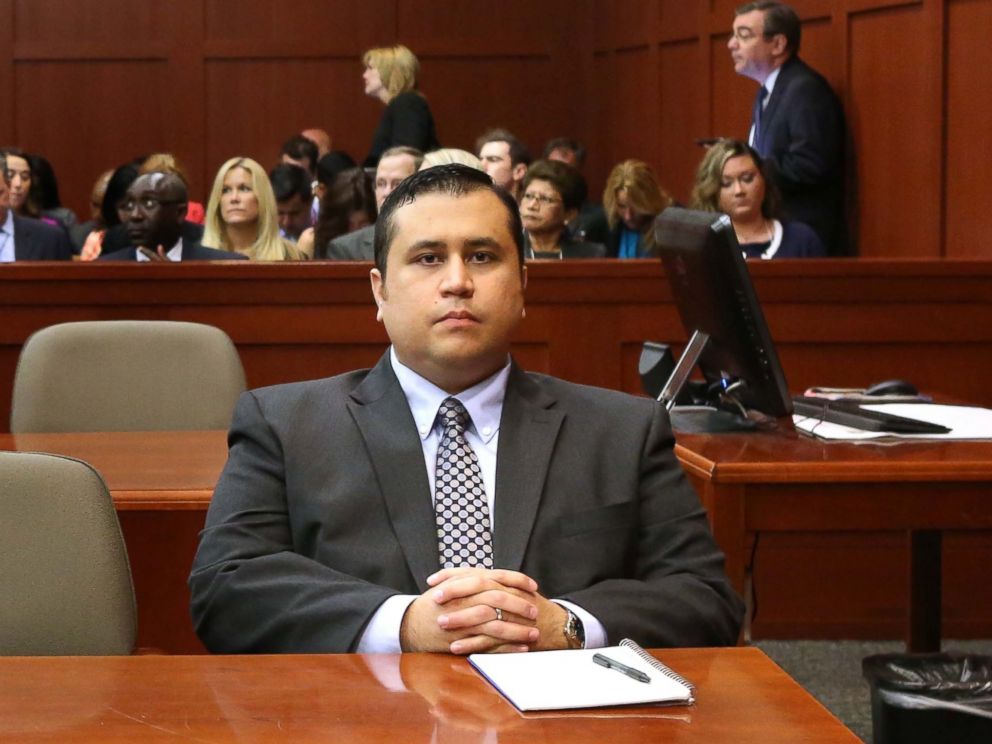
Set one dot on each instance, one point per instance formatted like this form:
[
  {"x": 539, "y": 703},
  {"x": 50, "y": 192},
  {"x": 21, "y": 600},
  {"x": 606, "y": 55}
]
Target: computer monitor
[{"x": 729, "y": 339}]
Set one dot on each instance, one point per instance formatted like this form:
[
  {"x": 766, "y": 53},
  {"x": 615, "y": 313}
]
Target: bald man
[{"x": 156, "y": 207}]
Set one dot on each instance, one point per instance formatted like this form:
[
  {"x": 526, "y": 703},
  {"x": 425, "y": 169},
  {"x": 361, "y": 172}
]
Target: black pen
[{"x": 622, "y": 668}]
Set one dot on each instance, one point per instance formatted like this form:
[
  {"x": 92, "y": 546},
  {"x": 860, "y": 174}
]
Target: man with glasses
[
  {"x": 25, "y": 239},
  {"x": 156, "y": 207},
  {"x": 797, "y": 123}
]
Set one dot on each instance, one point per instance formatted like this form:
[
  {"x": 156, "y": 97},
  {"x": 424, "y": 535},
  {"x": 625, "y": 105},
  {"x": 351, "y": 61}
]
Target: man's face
[
  {"x": 453, "y": 292},
  {"x": 18, "y": 180},
  {"x": 390, "y": 173},
  {"x": 495, "y": 157},
  {"x": 564, "y": 155},
  {"x": 153, "y": 218},
  {"x": 753, "y": 55},
  {"x": 294, "y": 216}
]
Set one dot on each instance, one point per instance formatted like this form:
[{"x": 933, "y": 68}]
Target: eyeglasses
[
  {"x": 540, "y": 199},
  {"x": 145, "y": 204}
]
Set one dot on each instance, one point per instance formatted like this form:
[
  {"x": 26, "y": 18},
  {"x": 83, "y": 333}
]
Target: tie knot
[{"x": 453, "y": 415}]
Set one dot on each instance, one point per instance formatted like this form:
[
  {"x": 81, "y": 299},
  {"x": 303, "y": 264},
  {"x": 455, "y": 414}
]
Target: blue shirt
[{"x": 7, "y": 238}]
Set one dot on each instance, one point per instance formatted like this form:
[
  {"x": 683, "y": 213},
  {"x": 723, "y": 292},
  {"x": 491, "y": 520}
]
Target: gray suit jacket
[
  {"x": 353, "y": 246},
  {"x": 35, "y": 240},
  {"x": 324, "y": 511}
]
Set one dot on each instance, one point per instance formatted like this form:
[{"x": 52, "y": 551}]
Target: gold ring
[{"x": 499, "y": 613}]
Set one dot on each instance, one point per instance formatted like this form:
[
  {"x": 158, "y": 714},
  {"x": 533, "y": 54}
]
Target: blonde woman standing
[{"x": 391, "y": 76}]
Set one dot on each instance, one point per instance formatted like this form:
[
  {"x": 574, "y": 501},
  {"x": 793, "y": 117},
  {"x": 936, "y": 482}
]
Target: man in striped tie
[{"x": 446, "y": 500}]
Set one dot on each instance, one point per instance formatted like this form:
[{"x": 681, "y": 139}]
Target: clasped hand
[{"x": 458, "y": 614}]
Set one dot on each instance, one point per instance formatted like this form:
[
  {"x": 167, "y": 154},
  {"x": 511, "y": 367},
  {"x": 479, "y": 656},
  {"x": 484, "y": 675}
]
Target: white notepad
[{"x": 555, "y": 680}]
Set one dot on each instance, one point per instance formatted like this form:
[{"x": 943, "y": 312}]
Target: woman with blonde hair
[
  {"x": 242, "y": 215},
  {"x": 632, "y": 199},
  {"x": 732, "y": 179},
  {"x": 391, "y": 76}
]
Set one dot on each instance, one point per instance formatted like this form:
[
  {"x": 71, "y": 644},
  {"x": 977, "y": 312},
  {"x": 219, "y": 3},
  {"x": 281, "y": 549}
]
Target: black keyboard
[{"x": 850, "y": 413}]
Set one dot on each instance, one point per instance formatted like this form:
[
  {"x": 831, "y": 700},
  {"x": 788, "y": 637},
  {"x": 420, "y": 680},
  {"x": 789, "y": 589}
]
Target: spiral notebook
[{"x": 557, "y": 680}]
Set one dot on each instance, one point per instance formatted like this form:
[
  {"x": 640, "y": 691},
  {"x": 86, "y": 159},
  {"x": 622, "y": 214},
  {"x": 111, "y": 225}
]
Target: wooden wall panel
[
  {"x": 241, "y": 89},
  {"x": 969, "y": 121},
  {"x": 106, "y": 23},
  {"x": 895, "y": 119},
  {"x": 683, "y": 115},
  {"x": 116, "y": 114},
  {"x": 339, "y": 25},
  {"x": 731, "y": 96}
]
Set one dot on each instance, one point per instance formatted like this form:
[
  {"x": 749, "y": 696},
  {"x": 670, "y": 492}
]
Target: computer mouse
[{"x": 892, "y": 387}]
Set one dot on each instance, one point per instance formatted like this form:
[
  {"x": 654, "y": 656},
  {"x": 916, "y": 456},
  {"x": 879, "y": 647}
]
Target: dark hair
[
  {"x": 299, "y": 147},
  {"x": 518, "y": 150},
  {"x": 567, "y": 181},
  {"x": 351, "y": 191},
  {"x": 779, "y": 18},
  {"x": 333, "y": 163},
  {"x": 413, "y": 152},
  {"x": 289, "y": 180},
  {"x": 30, "y": 207},
  {"x": 709, "y": 178},
  {"x": 566, "y": 143},
  {"x": 453, "y": 179},
  {"x": 44, "y": 186},
  {"x": 117, "y": 188}
]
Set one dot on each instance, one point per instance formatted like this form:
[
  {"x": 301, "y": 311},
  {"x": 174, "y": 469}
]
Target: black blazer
[
  {"x": 324, "y": 511},
  {"x": 801, "y": 139},
  {"x": 407, "y": 120},
  {"x": 191, "y": 252},
  {"x": 35, "y": 240},
  {"x": 116, "y": 237}
]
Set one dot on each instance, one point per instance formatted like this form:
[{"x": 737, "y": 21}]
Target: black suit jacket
[
  {"x": 191, "y": 252},
  {"x": 801, "y": 138},
  {"x": 323, "y": 511},
  {"x": 35, "y": 240},
  {"x": 117, "y": 239}
]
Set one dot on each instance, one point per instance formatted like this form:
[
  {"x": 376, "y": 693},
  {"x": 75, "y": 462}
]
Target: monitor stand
[
  {"x": 706, "y": 420},
  {"x": 697, "y": 419}
]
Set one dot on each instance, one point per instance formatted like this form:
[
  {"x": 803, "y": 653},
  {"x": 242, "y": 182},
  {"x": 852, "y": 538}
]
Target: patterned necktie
[
  {"x": 460, "y": 506},
  {"x": 759, "y": 109}
]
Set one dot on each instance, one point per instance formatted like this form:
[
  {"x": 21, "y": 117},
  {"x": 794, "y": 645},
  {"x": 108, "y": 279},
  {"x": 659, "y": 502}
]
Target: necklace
[{"x": 763, "y": 235}]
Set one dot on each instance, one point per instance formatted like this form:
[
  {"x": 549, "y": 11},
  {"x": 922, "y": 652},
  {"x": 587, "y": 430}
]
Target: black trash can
[{"x": 930, "y": 698}]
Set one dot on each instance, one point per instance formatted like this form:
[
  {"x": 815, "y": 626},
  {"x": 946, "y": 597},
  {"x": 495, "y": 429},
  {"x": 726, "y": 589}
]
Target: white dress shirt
[
  {"x": 175, "y": 253},
  {"x": 484, "y": 403},
  {"x": 7, "y": 254}
]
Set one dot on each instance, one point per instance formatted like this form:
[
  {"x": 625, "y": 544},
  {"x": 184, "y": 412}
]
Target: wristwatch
[{"x": 574, "y": 632}]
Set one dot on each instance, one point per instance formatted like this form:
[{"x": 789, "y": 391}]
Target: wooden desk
[
  {"x": 781, "y": 481},
  {"x": 161, "y": 483},
  {"x": 741, "y": 697}
]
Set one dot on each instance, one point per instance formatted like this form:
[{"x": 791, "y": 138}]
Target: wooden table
[
  {"x": 161, "y": 483},
  {"x": 781, "y": 481},
  {"x": 742, "y": 697}
]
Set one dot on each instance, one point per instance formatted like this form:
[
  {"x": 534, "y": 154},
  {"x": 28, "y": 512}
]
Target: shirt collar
[
  {"x": 483, "y": 401},
  {"x": 175, "y": 253},
  {"x": 770, "y": 83}
]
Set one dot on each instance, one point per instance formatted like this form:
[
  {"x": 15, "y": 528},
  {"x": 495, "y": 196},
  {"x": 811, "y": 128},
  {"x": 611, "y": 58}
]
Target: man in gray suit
[
  {"x": 25, "y": 239},
  {"x": 395, "y": 164},
  {"x": 446, "y": 500}
]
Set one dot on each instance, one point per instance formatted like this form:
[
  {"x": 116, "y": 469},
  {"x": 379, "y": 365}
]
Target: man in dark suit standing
[
  {"x": 440, "y": 500},
  {"x": 797, "y": 123},
  {"x": 156, "y": 209},
  {"x": 25, "y": 239}
]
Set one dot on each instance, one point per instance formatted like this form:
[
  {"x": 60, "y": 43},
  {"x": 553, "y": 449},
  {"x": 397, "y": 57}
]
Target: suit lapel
[
  {"x": 778, "y": 93},
  {"x": 383, "y": 417},
  {"x": 527, "y": 434}
]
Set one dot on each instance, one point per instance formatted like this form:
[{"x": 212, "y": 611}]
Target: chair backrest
[
  {"x": 126, "y": 375},
  {"x": 65, "y": 580}
]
